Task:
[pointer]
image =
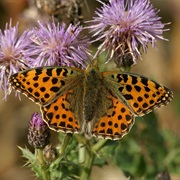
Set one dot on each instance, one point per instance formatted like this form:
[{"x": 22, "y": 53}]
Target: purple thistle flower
[
  {"x": 126, "y": 27},
  {"x": 14, "y": 54},
  {"x": 55, "y": 45},
  {"x": 39, "y": 132}
]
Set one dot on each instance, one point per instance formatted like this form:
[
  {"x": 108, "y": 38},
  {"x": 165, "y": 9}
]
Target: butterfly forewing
[
  {"x": 44, "y": 85},
  {"x": 140, "y": 94}
]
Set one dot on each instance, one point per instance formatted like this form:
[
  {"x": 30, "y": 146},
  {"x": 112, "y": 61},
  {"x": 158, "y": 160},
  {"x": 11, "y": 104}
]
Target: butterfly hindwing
[
  {"x": 43, "y": 85},
  {"x": 117, "y": 122},
  {"x": 58, "y": 115},
  {"x": 140, "y": 94}
]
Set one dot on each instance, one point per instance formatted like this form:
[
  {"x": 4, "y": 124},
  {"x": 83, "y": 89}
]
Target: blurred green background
[{"x": 153, "y": 145}]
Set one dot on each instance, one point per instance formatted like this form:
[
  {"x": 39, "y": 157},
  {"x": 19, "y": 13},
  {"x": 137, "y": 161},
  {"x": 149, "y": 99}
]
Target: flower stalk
[
  {"x": 42, "y": 164},
  {"x": 87, "y": 165}
]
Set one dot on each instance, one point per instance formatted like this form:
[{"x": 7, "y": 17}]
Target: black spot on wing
[
  {"x": 65, "y": 72},
  {"x": 134, "y": 80},
  {"x": 102, "y": 131},
  {"x": 54, "y": 80},
  {"x": 123, "y": 127},
  {"x": 62, "y": 124},
  {"x": 30, "y": 90},
  {"x": 109, "y": 131},
  {"x": 116, "y": 125},
  {"x": 57, "y": 116},
  {"x": 146, "y": 89},
  {"x": 54, "y": 89},
  {"x": 145, "y": 105},
  {"x": 49, "y": 72},
  {"x": 118, "y": 77},
  {"x": 151, "y": 101},
  {"x": 119, "y": 117},
  {"x": 120, "y": 89},
  {"x": 43, "y": 100},
  {"x": 113, "y": 113},
  {"x": 36, "y": 85},
  {"x": 113, "y": 76},
  {"x": 24, "y": 73},
  {"x": 64, "y": 116},
  {"x": 146, "y": 96},
  {"x": 45, "y": 79},
  {"x": 48, "y": 106},
  {"x": 50, "y": 115},
  {"x": 62, "y": 82},
  {"x": 69, "y": 126},
  {"x": 56, "y": 108},
  {"x": 58, "y": 71},
  {"x": 135, "y": 105},
  {"x": 42, "y": 89},
  {"x": 110, "y": 123},
  {"x": 138, "y": 89},
  {"x": 36, "y": 94},
  {"x": 36, "y": 78},
  {"x": 102, "y": 124},
  {"x": 38, "y": 72},
  {"x": 46, "y": 95},
  {"x": 128, "y": 96},
  {"x": 144, "y": 81},
  {"x": 128, "y": 117},
  {"x": 70, "y": 119},
  {"x": 128, "y": 88},
  {"x": 140, "y": 99},
  {"x": 125, "y": 77}
]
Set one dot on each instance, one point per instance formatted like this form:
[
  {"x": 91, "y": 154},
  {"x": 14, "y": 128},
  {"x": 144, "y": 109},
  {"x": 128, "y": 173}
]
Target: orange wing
[
  {"x": 139, "y": 94},
  {"x": 116, "y": 123},
  {"x": 50, "y": 88},
  {"x": 132, "y": 95},
  {"x": 43, "y": 85},
  {"x": 59, "y": 116}
]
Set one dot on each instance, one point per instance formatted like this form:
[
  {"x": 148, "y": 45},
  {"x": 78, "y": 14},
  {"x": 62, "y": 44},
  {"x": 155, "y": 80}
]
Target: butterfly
[{"x": 101, "y": 104}]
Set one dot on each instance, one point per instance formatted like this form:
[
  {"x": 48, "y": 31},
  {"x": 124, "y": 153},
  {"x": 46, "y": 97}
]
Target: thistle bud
[{"x": 39, "y": 132}]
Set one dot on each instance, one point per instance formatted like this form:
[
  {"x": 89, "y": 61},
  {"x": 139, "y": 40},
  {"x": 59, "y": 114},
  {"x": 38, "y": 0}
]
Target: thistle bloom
[
  {"x": 14, "y": 54},
  {"x": 126, "y": 27},
  {"x": 55, "y": 45},
  {"x": 39, "y": 132}
]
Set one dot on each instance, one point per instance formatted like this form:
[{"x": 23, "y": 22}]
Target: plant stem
[
  {"x": 86, "y": 171},
  {"x": 89, "y": 154},
  {"x": 66, "y": 140},
  {"x": 40, "y": 160},
  {"x": 82, "y": 150},
  {"x": 62, "y": 149},
  {"x": 99, "y": 145}
]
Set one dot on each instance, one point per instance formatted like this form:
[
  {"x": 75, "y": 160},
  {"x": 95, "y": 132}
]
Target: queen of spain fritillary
[{"x": 102, "y": 104}]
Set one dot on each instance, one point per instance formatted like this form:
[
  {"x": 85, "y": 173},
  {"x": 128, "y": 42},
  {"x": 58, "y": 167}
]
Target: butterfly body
[
  {"x": 102, "y": 104},
  {"x": 91, "y": 90}
]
